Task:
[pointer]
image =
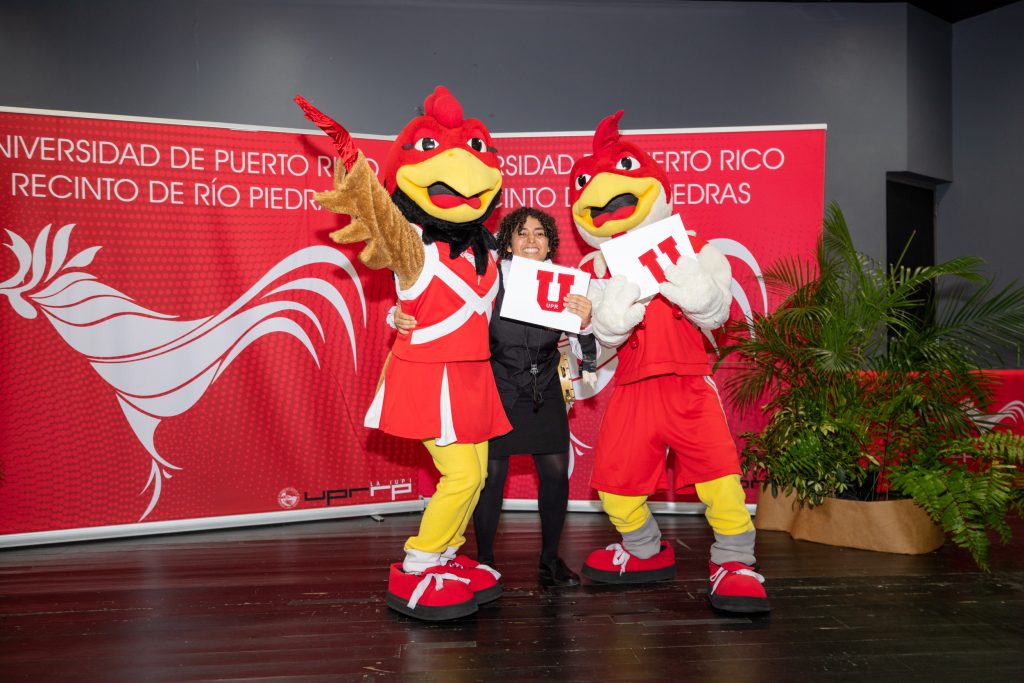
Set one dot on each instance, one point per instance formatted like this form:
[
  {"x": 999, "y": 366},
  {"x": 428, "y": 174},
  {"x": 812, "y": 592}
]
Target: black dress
[{"x": 532, "y": 400}]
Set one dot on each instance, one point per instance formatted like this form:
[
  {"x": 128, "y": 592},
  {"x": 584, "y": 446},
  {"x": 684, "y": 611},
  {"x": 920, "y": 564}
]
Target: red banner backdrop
[{"x": 184, "y": 347}]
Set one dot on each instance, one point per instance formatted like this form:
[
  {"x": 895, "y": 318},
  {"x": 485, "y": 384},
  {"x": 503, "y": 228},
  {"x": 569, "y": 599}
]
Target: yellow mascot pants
[
  {"x": 463, "y": 468},
  {"x": 724, "y": 497}
]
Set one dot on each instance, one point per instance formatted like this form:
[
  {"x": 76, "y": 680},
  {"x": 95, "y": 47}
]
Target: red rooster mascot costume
[
  {"x": 664, "y": 395},
  {"x": 425, "y": 223}
]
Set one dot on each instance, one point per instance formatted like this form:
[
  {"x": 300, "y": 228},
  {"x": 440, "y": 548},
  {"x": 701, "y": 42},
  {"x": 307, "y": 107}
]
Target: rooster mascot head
[
  {"x": 442, "y": 169},
  {"x": 618, "y": 188},
  {"x": 441, "y": 172}
]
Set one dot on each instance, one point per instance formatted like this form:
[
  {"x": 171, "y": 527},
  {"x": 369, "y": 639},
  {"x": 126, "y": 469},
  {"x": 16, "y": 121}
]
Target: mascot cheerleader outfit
[
  {"x": 440, "y": 182},
  {"x": 664, "y": 396}
]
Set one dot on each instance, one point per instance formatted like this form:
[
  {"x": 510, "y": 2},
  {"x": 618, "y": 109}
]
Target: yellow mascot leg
[
  {"x": 627, "y": 513},
  {"x": 481, "y": 459},
  {"x": 729, "y": 518},
  {"x": 632, "y": 518},
  {"x": 454, "y": 589},
  {"x": 734, "y": 584},
  {"x": 463, "y": 467},
  {"x": 727, "y": 510},
  {"x": 640, "y": 558}
]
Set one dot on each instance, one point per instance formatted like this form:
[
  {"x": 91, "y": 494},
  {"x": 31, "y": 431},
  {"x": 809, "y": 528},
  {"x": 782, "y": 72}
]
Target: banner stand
[
  {"x": 182, "y": 339},
  {"x": 100, "y": 533},
  {"x": 116, "y": 531}
]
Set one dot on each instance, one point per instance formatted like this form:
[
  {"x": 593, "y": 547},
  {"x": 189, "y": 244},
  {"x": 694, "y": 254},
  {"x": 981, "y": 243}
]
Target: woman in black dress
[{"x": 525, "y": 358}]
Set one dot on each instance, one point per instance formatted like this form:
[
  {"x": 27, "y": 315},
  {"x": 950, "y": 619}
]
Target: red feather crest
[
  {"x": 347, "y": 150},
  {"x": 607, "y": 133},
  {"x": 442, "y": 106}
]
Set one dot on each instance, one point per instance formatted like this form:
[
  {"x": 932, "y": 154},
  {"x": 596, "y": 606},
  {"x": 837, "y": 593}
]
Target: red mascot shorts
[{"x": 683, "y": 413}]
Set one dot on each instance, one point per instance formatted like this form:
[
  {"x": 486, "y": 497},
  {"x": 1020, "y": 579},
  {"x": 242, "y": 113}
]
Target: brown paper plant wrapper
[{"x": 888, "y": 526}]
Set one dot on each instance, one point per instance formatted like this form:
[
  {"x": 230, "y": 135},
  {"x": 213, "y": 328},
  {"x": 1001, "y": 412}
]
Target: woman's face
[{"x": 530, "y": 241}]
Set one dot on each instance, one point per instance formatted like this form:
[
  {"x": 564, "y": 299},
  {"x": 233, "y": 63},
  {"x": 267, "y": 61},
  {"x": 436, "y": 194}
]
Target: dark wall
[
  {"x": 929, "y": 96},
  {"x": 980, "y": 212},
  {"x": 877, "y": 74}
]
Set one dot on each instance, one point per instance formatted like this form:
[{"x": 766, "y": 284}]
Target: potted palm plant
[{"x": 871, "y": 388}]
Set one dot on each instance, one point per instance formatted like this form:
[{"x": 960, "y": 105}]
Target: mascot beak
[
  {"x": 612, "y": 203},
  {"x": 454, "y": 186}
]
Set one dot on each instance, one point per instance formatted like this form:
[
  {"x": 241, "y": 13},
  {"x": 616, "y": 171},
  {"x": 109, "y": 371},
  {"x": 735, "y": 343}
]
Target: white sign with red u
[
  {"x": 642, "y": 255},
  {"x": 535, "y": 292}
]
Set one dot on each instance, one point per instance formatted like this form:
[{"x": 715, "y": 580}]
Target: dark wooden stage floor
[{"x": 305, "y": 602}]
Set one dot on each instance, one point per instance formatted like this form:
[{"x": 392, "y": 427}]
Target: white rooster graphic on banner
[{"x": 160, "y": 366}]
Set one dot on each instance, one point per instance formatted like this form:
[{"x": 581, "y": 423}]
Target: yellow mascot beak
[
  {"x": 454, "y": 186},
  {"x": 613, "y": 203}
]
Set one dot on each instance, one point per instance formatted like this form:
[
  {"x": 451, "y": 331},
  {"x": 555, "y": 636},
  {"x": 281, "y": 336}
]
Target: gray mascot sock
[
  {"x": 738, "y": 548},
  {"x": 644, "y": 542}
]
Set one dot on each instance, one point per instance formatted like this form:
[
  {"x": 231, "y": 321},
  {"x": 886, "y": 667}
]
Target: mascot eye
[
  {"x": 627, "y": 164},
  {"x": 477, "y": 144},
  {"x": 582, "y": 180},
  {"x": 425, "y": 144}
]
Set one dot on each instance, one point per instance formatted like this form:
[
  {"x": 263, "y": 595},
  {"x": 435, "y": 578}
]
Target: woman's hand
[
  {"x": 403, "y": 321},
  {"x": 574, "y": 303}
]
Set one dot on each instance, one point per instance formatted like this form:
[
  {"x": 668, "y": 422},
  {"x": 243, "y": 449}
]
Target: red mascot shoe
[
  {"x": 615, "y": 565},
  {"x": 432, "y": 595},
  {"x": 736, "y": 587},
  {"x": 483, "y": 580}
]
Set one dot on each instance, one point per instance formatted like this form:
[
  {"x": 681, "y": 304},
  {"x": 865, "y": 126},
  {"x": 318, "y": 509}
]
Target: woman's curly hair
[{"x": 517, "y": 219}]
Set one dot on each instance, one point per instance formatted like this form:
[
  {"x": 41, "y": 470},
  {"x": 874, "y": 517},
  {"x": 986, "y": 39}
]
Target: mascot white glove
[
  {"x": 616, "y": 310},
  {"x": 701, "y": 288}
]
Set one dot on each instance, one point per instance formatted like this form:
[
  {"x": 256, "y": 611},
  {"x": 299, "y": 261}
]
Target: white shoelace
[
  {"x": 487, "y": 568},
  {"x": 450, "y": 561},
  {"x": 424, "y": 583},
  {"x": 620, "y": 558},
  {"x": 722, "y": 572}
]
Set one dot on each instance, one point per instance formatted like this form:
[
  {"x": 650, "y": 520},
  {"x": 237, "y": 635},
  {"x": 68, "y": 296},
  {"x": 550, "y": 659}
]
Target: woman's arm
[{"x": 403, "y": 322}]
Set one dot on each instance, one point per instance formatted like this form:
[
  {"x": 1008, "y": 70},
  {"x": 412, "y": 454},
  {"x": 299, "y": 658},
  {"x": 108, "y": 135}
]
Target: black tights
[{"x": 552, "y": 500}]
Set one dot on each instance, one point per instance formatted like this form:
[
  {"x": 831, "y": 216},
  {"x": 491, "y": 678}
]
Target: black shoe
[{"x": 556, "y": 574}]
